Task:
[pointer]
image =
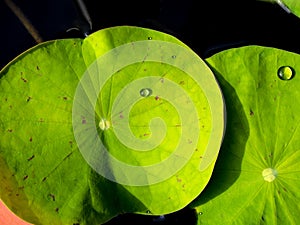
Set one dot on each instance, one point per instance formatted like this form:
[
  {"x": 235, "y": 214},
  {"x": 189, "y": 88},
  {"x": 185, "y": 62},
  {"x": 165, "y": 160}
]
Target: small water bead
[
  {"x": 269, "y": 174},
  {"x": 104, "y": 124},
  {"x": 173, "y": 56},
  {"x": 145, "y": 92},
  {"x": 200, "y": 213},
  {"x": 285, "y": 73},
  {"x": 149, "y": 38}
]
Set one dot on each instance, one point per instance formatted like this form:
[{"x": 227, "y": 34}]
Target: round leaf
[
  {"x": 256, "y": 177},
  {"x": 127, "y": 120}
]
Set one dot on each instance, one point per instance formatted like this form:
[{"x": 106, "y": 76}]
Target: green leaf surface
[
  {"x": 256, "y": 177},
  {"x": 127, "y": 120}
]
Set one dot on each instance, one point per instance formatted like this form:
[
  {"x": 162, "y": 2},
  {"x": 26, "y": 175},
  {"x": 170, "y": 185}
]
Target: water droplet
[
  {"x": 286, "y": 73},
  {"x": 149, "y": 38},
  {"x": 104, "y": 124},
  {"x": 200, "y": 213},
  {"x": 173, "y": 56},
  {"x": 148, "y": 212},
  {"x": 269, "y": 174},
  {"x": 145, "y": 92}
]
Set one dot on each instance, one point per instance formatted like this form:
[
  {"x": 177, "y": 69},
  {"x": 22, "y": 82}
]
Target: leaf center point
[
  {"x": 269, "y": 174},
  {"x": 104, "y": 124}
]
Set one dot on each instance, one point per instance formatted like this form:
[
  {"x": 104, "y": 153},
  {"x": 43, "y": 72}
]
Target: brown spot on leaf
[
  {"x": 28, "y": 99},
  {"x": 29, "y": 159},
  {"x": 182, "y": 82},
  {"x": 37, "y": 67},
  {"x": 251, "y": 112},
  {"x": 156, "y": 97},
  {"x": 56, "y": 210},
  {"x": 41, "y": 120},
  {"x": 9, "y": 130},
  {"x": 83, "y": 121},
  {"x": 52, "y": 197},
  {"x": 65, "y": 98},
  {"x": 44, "y": 179},
  {"x": 24, "y": 80},
  {"x": 25, "y": 177},
  {"x": 30, "y": 139}
]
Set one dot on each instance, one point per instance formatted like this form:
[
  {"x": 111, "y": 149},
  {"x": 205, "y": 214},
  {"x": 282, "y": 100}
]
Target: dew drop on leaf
[
  {"x": 145, "y": 92},
  {"x": 286, "y": 73}
]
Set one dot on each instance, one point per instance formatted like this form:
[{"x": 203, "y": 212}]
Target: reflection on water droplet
[
  {"x": 104, "y": 124},
  {"x": 148, "y": 211},
  {"x": 149, "y": 38},
  {"x": 145, "y": 92},
  {"x": 269, "y": 174},
  {"x": 285, "y": 73},
  {"x": 200, "y": 213},
  {"x": 173, "y": 56}
]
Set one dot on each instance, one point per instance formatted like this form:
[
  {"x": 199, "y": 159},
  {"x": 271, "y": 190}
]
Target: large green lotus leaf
[
  {"x": 256, "y": 177},
  {"x": 127, "y": 120}
]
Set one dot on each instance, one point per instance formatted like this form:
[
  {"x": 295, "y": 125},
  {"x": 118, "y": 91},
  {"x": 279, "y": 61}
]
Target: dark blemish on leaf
[
  {"x": 178, "y": 125},
  {"x": 10, "y": 107},
  {"x": 37, "y": 67},
  {"x": 284, "y": 189},
  {"x": 201, "y": 157},
  {"x": 41, "y": 120},
  {"x": 71, "y": 143},
  {"x": 28, "y": 99},
  {"x": 29, "y": 159},
  {"x": 56, "y": 210},
  {"x": 25, "y": 177},
  {"x": 196, "y": 150},
  {"x": 271, "y": 155},
  {"x": 121, "y": 115},
  {"x": 44, "y": 179},
  {"x": 178, "y": 180},
  {"x": 52, "y": 197},
  {"x": 76, "y": 223},
  {"x": 30, "y": 139},
  {"x": 65, "y": 98},
  {"x": 21, "y": 188},
  {"x": 251, "y": 112},
  {"x": 146, "y": 135},
  {"x": 83, "y": 121},
  {"x": 23, "y": 79},
  {"x": 145, "y": 69},
  {"x": 5, "y": 99},
  {"x": 156, "y": 98},
  {"x": 182, "y": 82},
  {"x": 262, "y": 218},
  {"x": 9, "y": 130},
  {"x": 17, "y": 195}
]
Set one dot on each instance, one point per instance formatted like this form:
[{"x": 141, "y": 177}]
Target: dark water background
[{"x": 206, "y": 26}]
